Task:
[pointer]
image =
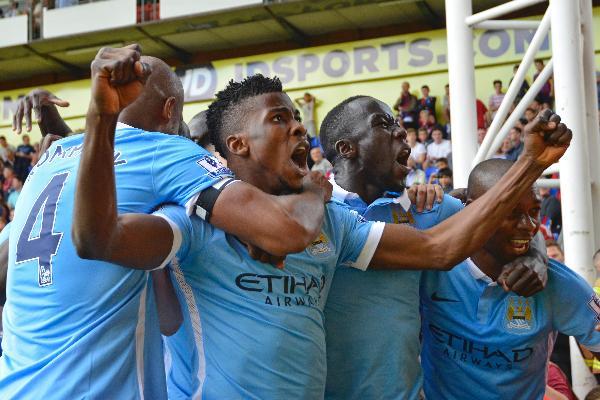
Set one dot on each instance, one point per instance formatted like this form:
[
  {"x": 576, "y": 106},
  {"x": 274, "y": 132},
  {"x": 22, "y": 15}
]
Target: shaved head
[
  {"x": 199, "y": 129},
  {"x": 148, "y": 111},
  {"x": 485, "y": 175}
]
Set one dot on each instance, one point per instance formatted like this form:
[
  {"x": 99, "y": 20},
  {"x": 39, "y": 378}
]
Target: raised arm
[
  {"x": 455, "y": 239},
  {"x": 43, "y": 105},
  {"x": 143, "y": 241}
]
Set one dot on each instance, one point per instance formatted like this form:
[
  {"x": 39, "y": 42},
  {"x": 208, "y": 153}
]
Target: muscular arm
[
  {"x": 453, "y": 240},
  {"x": 144, "y": 241},
  {"x": 169, "y": 311}
]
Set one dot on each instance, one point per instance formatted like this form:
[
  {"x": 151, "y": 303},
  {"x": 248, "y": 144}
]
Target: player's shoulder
[
  {"x": 337, "y": 210},
  {"x": 562, "y": 279},
  {"x": 442, "y": 210}
]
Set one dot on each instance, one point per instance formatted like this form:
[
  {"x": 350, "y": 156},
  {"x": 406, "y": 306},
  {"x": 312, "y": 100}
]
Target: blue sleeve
[
  {"x": 359, "y": 238},
  {"x": 183, "y": 229},
  {"x": 575, "y": 306},
  {"x": 181, "y": 169},
  {"x": 449, "y": 207},
  {"x": 5, "y": 233}
]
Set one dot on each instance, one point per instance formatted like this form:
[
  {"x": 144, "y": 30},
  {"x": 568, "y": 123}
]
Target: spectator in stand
[
  {"x": 524, "y": 86},
  {"x": 23, "y": 157},
  {"x": 13, "y": 9},
  {"x": 406, "y": 106},
  {"x": 8, "y": 173},
  {"x": 418, "y": 152},
  {"x": 554, "y": 251},
  {"x": 502, "y": 152},
  {"x": 550, "y": 211},
  {"x": 481, "y": 132},
  {"x": 427, "y": 102},
  {"x": 481, "y": 114},
  {"x": 516, "y": 144},
  {"x": 557, "y": 381},
  {"x": 529, "y": 115},
  {"x": 423, "y": 136},
  {"x": 544, "y": 96},
  {"x": 307, "y": 106},
  {"x": 439, "y": 148},
  {"x": 321, "y": 164},
  {"x": 415, "y": 176},
  {"x": 495, "y": 100},
  {"x": 13, "y": 196},
  {"x": 7, "y": 152},
  {"x": 425, "y": 120},
  {"x": 66, "y": 3},
  {"x": 446, "y": 104},
  {"x": 444, "y": 178}
]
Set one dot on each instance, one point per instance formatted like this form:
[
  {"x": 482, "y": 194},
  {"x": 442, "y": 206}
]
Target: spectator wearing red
[
  {"x": 406, "y": 106},
  {"x": 427, "y": 102},
  {"x": 544, "y": 96},
  {"x": 558, "y": 381}
]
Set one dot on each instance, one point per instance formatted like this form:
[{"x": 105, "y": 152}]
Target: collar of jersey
[
  {"x": 353, "y": 200},
  {"x": 478, "y": 274},
  {"x": 121, "y": 125}
]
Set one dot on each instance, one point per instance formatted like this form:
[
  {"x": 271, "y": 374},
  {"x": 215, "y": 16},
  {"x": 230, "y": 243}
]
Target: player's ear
[
  {"x": 237, "y": 144},
  {"x": 168, "y": 108},
  {"x": 346, "y": 148}
]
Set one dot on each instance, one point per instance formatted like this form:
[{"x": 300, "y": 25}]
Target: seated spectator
[
  {"x": 544, "y": 96},
  {"x": 13, "y": 196},
  {"x": 6, "y": 150},
  {"x": 503, "y": 150},
  {"x": 516, "y": 144},
  {"x": 554, "y": 251},
  {"x": 23, "y": 157},
  {"x": 481, "y": 132},
  {"x": 426, "y": 120},
  {"x": 481, "y": 114},
  {"x": 418, "y": 152},
  {"x": 495, "y": 100},
  {"x": 406, "y": 106},
  {"x": 321, "y": 164},
  {"x": 439, "y": 148},
  {"x": 442, "y": 163},
  {"x": 416, "y": 176},
  {"x": 444, "y": 179},
  {"x": 524, "y": 86},
  {"x": 423, "y": 136},
  {"x": 558, "y": 382},
  {"x": 13, "y": 9},
  {"x": 446, "y": 104},
  {"x": 427, "y": 102},
  {"x": 8, "y": 173},
  {"x": 530, "y": 114},
  {"x": 550, "y": 213}
]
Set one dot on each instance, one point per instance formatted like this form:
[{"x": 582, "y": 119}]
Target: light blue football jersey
[
  {"x": 252, "y": 331},
  {"x": 363, "y": 363},
  {"x": 70, "y": 324},
  {"x": 480, "y": 342}
]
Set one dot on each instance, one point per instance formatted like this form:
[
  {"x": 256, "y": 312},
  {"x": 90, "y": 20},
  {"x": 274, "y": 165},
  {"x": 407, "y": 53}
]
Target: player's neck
[
  {"x": 354, "y": 180},
  {"x": 255, "y": 175},
  {"x": 488, "y": 263}
]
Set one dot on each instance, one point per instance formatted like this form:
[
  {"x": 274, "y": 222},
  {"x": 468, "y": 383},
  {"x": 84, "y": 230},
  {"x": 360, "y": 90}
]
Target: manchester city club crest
[
  {"x": 519, "y": 316},
  {"x": 320, "y": 246}
]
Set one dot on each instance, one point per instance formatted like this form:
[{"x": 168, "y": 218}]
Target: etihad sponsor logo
[
  {"x": 284, "y": 290},
  {"x": 519, "y": 317},
  {"x": 461, "y": 349}
]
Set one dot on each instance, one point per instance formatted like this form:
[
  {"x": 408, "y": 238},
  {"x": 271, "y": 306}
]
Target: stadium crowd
[{"x": 253, "y": 330}]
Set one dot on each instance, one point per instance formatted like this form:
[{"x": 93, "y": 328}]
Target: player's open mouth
[
  {"x": 402, "y": 160},
  {"x": 299, "y": 157},
  {"x": 520, "y": 244}
]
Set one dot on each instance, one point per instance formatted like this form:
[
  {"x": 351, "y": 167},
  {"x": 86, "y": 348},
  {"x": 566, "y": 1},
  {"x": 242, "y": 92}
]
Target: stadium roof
[{"x": 196, "y": 39}]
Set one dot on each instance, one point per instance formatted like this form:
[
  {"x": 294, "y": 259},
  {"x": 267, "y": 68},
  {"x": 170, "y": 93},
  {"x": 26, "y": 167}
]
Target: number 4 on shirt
[{"x": 43, "y": 245}]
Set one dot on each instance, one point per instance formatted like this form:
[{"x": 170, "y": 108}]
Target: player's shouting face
[{"x": 277, "y": 142}]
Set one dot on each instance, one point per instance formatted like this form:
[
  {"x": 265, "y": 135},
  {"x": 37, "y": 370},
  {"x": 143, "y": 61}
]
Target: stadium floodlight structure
[{"x": 574, "y": 71}]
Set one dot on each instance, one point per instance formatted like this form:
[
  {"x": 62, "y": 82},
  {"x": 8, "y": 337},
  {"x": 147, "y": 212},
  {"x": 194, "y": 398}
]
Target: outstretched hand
[
  {"x": 34, "y": 101},
  {"x": 118, "y": 77},
  {"x": 546, "y": 139}
]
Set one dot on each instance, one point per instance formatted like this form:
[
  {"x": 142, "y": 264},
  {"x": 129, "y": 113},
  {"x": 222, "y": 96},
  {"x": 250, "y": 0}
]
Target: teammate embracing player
[{"x": 250, "y": 340}]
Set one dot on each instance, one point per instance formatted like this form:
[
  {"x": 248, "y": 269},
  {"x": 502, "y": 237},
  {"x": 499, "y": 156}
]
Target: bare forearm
[
  {"x": 169, "y": 310},
  {"x": 53, "y": 123},
  {"x": 455, "y": 239},
  {"x": 264, "y": 220},
  {"x": 95, "y": 211}
]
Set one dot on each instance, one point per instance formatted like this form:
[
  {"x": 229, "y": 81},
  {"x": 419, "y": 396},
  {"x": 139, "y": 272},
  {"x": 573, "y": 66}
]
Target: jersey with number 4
[{"x": 70, "y": 324}]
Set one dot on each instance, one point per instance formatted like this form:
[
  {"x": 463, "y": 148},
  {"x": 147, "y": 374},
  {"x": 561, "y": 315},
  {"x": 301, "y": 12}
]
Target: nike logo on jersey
[{"x": 435, "y": 297}]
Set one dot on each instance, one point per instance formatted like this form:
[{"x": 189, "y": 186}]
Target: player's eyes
[{"x": 277, "y": 118}]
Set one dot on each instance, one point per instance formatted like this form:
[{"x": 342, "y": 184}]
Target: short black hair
[
  {"x": 442, "y": 159},
  {"x": 336, "y": 125},
  {"x": 445, "y": 172},
  {"x": 497, "y": 81},
  {"x": 221, "y": 119},
  {"x": 425, "y": 87}
]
